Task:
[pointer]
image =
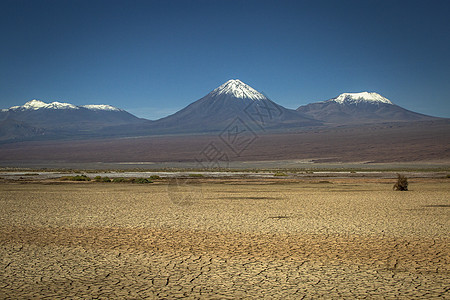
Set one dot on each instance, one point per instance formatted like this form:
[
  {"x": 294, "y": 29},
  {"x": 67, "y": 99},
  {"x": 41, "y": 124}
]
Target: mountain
[
  {"x": 233, "y": 101},
  {"x": 356, "y": 108},
  {"x": 53, "y": 120},
  {"x": 57, "y": 114}
]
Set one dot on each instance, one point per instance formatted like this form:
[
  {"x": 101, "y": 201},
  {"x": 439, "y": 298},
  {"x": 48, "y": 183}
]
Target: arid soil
[{"x": 226, "y": 239}]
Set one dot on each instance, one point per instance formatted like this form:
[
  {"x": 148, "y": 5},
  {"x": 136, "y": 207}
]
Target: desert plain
[{"x": 225, "y": 238}]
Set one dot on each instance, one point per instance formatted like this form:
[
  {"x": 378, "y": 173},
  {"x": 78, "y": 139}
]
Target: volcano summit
[
  {"x": 359, "y": 108},
  {"x": 233, "y": 99}
]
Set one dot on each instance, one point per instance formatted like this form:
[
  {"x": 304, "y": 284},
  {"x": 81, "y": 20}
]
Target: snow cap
[{"x": 238, "y": 89}]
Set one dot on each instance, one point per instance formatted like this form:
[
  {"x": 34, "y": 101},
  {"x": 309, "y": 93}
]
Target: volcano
[
  {"x": 230, "y": 101},
  {"x": 358, "y": 108}
]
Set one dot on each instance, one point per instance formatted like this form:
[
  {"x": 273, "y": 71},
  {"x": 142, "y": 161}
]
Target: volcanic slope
[
  {"x": 233, "y": 101},
  {"x": 357, "y": 108}
]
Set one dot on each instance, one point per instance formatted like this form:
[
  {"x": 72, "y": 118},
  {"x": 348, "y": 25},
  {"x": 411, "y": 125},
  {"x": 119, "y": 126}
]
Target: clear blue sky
[{"x": 153, "y": 58}]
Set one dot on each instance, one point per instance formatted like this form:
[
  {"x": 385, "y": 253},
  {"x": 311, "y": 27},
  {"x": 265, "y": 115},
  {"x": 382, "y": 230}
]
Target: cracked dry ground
[{"x": 225, "y": 240}]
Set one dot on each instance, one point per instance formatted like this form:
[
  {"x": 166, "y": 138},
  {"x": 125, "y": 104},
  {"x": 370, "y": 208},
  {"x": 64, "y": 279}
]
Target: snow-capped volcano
[
  {"x": 37, "y": 119},
  {"x": 37, "y": 104},
  {"x": 233, "y": 99},
  {"x": 359, "y": 108},
  {"x": 352, "y": 98},
  {"x": 238, "y": 89}
]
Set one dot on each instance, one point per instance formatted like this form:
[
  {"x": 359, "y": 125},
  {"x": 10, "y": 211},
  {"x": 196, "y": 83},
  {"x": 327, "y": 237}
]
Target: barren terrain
[
  {"x": 226, "y": 239},
  {"x": 380, "y": 143}
]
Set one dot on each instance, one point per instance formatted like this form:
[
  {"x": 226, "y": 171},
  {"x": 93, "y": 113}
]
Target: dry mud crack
[{"x": 129, "y": 242}]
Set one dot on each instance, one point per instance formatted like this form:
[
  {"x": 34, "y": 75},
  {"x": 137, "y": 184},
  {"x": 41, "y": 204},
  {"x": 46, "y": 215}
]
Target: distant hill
[{"x": 357, "y": 108}]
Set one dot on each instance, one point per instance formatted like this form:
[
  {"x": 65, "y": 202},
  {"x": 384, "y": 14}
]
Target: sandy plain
[{"x": 226, "y": 239}]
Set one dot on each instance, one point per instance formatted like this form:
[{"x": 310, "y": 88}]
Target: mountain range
[
  {"x": 39, "y": 120},
  {"x": 233, "y": 102}
]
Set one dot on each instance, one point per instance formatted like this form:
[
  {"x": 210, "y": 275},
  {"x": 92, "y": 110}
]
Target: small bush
[
  {"x": 102, "y": 179},
  {"x": 81, "y": 178},
  {"x": 142, "y": 180},
  {"x": 118, "y": 179},
  {"x": 154, "y": 177},
  {"x": 105, "y": 179},
  {"x": 75, "y": 178},
  {"x": 279, "y": 174},
  {"x": 196, "y": 175},
  {"x": 125, "y": 179},
  {"x": 401, "y": 184}
]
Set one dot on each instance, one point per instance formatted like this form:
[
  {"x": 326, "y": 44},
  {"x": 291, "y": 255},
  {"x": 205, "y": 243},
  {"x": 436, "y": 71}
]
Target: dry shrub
[
  {"x": 279, "y": 174},
  {"x": 75, "y": 178},
  {"x": 401, "y": 184}
]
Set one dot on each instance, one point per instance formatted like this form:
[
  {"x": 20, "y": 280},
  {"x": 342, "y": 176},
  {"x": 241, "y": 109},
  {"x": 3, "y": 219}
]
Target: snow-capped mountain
[
  {"x": 363, "y": 107},
  {"x": 363, "y": 97},
  {"x": 217, "y": 110},
  {"x": 37, "y": 118},
  {"x": 237, "y": 89},
  {"x": 37, "y": 104}
]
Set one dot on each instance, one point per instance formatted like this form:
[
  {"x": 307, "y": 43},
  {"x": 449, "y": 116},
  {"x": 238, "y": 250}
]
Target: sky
[{"x": 153, "y": 58}]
